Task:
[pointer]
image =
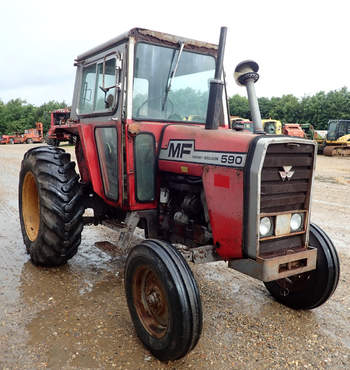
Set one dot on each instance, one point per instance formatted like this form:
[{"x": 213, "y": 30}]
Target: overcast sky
[{"x": 302, "y": 46}]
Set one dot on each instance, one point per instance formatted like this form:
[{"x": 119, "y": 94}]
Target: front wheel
[
  {"x": 163, "y": 299},
  {"x": 310, "y": 289},
  {"x": 50, "y": 207}
]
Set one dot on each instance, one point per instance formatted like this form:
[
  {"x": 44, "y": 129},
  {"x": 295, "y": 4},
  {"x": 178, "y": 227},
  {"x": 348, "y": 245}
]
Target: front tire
[
  {"x": 310, "y": 289},
  {"x": 49, "y": 206},
  {"x": 163, "y": 299}
]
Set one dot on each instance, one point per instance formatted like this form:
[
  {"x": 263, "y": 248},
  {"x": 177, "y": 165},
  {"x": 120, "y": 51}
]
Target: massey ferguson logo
[
  {"x": 185, "y": 151},
  {"x": 178, "y": 150},
  {"x": 286, "y": 174}
]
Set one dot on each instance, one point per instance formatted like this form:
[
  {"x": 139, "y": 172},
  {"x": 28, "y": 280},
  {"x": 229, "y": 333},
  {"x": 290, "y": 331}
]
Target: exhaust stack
[
  {"x": 246, "y": 74},
  {"x": 216, "y": 86}
]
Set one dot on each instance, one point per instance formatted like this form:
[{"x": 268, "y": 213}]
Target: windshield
[
  {"x": 332, "y": 130},
  {"x": 187, "y": 99},
  {"x": 344, "y": 128}
]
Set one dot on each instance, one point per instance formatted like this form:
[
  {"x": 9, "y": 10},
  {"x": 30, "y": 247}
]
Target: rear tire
[
  {"x": 49, "y": 206},
  {"x": 310, "y": 289},
  {"x": 163, "y": 299}
]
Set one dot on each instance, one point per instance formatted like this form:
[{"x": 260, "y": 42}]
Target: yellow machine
[
  {"x": 272, "y": 126},
  {"x": 338, "y": 138}
]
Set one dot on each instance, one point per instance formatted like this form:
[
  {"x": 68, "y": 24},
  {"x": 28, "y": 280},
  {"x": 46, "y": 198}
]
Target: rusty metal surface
[
  {"x": 107, "y": 247},
  {"x": 172, "y": 40},
  {"x": 150, "y": 301},
  {"x": 269, "y": 269},
  {"x": 279, "y": 246}
]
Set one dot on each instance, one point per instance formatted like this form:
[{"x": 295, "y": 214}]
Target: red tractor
[
  {"x": 56, "y": 134},
  {"x": 216, "y": 192}
]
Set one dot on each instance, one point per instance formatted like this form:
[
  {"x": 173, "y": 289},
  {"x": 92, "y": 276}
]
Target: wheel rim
[
  {"x": 150, "y": 301},
  {"x": 30, "y": 206}
]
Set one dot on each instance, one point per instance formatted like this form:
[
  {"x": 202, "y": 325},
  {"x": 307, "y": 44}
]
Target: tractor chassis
[{"x": 268, "y": 269}]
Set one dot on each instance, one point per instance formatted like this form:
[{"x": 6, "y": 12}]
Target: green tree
[
  {"x": 239, "y": 106},
  {"x": 17, "y": 115}
]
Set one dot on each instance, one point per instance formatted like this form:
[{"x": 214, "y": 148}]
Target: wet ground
[{"x": 76, "y": 316}]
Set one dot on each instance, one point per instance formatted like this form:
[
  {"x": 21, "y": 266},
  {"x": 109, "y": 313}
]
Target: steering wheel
[{"x": 168, "y": 102}]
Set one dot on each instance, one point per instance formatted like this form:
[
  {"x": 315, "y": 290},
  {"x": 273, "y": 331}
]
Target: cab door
[{"x": 99, "y": 107}]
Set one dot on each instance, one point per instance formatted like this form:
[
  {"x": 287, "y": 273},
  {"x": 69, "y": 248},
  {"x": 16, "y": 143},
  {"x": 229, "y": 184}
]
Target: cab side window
[
  {"x": 144, "y": 152},
  {"x": 98, "y": 88}
]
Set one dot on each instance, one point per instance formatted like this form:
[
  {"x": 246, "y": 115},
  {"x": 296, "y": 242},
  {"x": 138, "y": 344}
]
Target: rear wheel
[
  {"x": 29, "y": 141},
  {"x": 49, "y": 206},
  {"x": 163, "y": 299},
  {"x": 310, "y": 289}
]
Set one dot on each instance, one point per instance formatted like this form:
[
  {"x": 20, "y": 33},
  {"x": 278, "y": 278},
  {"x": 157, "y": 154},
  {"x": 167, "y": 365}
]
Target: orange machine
[{"x": 293, "y": 129}]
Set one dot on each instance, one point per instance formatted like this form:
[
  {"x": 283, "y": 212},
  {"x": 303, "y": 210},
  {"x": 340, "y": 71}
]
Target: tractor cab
[
  {"x": 147, "y": 76},
  {"x": 337, "y": 129},
  {"x": 338, "y": 138},
  {"x": 127, "y": 92}
]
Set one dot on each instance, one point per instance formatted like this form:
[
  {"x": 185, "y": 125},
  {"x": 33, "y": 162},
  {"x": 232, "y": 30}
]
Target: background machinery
[
  {"x": 201, "y": 191},
  {"x": 30, "y": 136},
  {"x": 316, "y": 135},
  {"x": 55, "y": 135},
  {"x": 293, "y": 129},
  {"x": 338, "y": 138},
  {"x": 272, "y": 126}
]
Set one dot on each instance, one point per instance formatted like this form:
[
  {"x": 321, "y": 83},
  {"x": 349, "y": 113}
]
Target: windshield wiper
[{"x": 172, "y": 73}]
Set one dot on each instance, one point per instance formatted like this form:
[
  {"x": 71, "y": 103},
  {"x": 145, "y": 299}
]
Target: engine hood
[{"x": 198, "y": 146}]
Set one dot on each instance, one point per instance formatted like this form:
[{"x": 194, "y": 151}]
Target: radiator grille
[
  {"x": 289, "y": 195},
  {"x": 278, "y": 195}
]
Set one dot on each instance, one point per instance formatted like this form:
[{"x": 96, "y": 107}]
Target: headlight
[
  {"x": 265, "y": 227},
  {"x": 296, "y": 222}
]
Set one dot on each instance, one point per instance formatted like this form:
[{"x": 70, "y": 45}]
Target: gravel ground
[{"x": 76, "y": 316}]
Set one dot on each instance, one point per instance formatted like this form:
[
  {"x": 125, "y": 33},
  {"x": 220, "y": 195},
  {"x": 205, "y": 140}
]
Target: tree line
[
  {"x": 17, "y": 115},
  {"x": 316, "y": 109}
]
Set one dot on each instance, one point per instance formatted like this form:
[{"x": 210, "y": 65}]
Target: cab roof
[{"x": 141, "y": 34}]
